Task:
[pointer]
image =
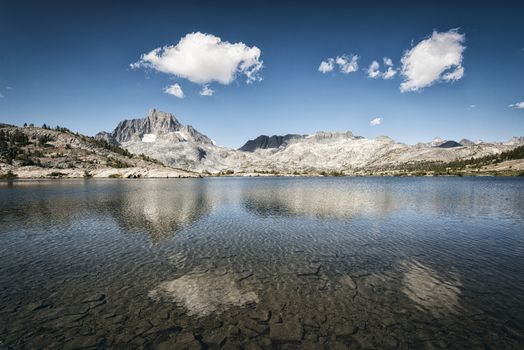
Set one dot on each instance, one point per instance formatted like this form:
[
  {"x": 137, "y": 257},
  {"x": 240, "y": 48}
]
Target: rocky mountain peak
[
  {"x": 157, "y": 126},
  {"x": 155, "y": 123}
]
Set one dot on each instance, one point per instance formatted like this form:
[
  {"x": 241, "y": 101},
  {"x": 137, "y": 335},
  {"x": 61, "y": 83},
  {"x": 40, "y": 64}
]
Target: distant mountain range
[{"x": 161, "y": 136}]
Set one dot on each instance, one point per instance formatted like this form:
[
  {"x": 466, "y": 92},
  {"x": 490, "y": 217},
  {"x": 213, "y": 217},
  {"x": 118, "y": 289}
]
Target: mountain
[
  {"x": 466, "y": 142},
  {"x": 265, "y": 142},
  {"x": 449, "y": 144},
  {"x": 33, "y": 152},
  {"x": 156, "y": 124},
  {"x": 161, "y": 136}
]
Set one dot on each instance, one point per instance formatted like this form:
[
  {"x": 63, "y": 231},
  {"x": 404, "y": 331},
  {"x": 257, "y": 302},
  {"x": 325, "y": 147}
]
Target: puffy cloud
[
  {"x": 326, "y": 66},
  {"x": 390, "y": 73},
  {"x": 207, "y": 91},
  {"x": 437, "y": 58},
  {"x": 203, "y": 58},
  {"x": 373, "y": 70},
  {"x": 388, "y": 62},
  {"x": 346, "y": 64},
  {"x": 175, "y": 90},
  {"x": 518, "y": 105},
  {"x": 375, "y": 121}
]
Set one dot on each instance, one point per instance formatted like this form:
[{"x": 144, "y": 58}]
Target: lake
[{"x": 358, "y": 262}]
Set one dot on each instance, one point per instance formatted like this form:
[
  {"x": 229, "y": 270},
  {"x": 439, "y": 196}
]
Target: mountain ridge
[{"x": 161, "y": 136}]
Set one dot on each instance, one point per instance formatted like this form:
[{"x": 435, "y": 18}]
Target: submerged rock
[
  {"x": 205, "y": 293},
  {"x": 290, "y": 331}
]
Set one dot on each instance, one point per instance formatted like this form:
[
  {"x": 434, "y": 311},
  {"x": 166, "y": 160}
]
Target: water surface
[{"x": 274, "y": 262}]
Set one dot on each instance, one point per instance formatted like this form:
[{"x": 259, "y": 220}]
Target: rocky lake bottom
[{"x": 258, "y": 263}]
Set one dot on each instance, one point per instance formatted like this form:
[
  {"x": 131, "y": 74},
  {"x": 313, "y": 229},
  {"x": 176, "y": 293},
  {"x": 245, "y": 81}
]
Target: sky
[{"x": 238, "y": 69}]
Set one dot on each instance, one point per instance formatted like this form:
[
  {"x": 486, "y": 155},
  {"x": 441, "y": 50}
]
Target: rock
[
  {"x": 348, "y": 282},
  {"x": 290, "y": 331},
  {"x": 233, "y": 331},
  {"x": 390, "y": 342},
  {"x": 118, "y": 319},
  {"x": 252, "y": 326},
  {"x": 252, "y": 346},
  {"x": 309, "y": 270},
  {"x": 88, "y": 341},
  {"x": 185, "y": 337},
  {"x": 216, "y": 337},
  {"x": 345, "y": 329},
  {"x": 262, "y": 315},
  {"x": 76, "y": 309},
  {"x": 336, "y": 345},
  {"x": 184, "y": 340},
  {"x": 94, "y": 297},
  {"x": 37, "y": 305},
  {"x": 231, "y": 346},
  {"x": 244, "y": 275}
]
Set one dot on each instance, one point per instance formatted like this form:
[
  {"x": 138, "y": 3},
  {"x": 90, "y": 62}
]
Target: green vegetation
[
  {"x": 332, "y": 173},
  {"x": 87, "y": 174},
  {"x": 115, "y": 176},
  {"x": 460, "y": 167},
  {"x": 43, "y": 140},
  {"x": 106, "y": 145},
  {"x": 117, "y": 163},
  {"x": 8, "y": 176},
  {"x": 149, "y": 159},
  {"x": 56, "y": 174},
  {"x": 11, "y": 145}
]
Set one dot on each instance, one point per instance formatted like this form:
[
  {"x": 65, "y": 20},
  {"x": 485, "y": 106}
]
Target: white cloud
[
  {"x": 175, "y": 90},
  {"x": 203, "y": 58},
  {"x": 437, "y": 58},
  {"x": 388, "y": 62},
  {"x": 326, "y": 66},
  {"x": 390, "y": 73},
  {"x": 518, "y": 105},
  {"x": 472, "y": 106},
  {"x": 375, "y": 121},
  {"x": 373, "y": 70},
  {"x": 9, "y": 88},
  {"x": 1, "y": 96},
  {"x": 207, "y": 91},
  {"x": 347, "y": 64}
]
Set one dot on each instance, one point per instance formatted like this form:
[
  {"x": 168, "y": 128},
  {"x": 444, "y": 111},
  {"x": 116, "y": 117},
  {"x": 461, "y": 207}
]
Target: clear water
[{"x": 274, "y": 262}]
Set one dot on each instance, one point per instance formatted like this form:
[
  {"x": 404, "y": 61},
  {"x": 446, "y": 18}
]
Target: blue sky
[{"x": 69, "y": 64}]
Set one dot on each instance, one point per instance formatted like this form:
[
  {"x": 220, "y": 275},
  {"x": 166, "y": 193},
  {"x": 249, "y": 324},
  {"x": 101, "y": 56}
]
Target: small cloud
[
  {"x": 1, "y": 96},
  {"x": 388, "y": 62},
  {"x": 9, "y": 88},
  {"x": 390, "y": 73},
  {"x": 326, "y": 66},
  {"x": 375, "y": 121},
  {"x": 472, "y": 106},
  {"x": 518, "y": 105},
  {"x": 374, "y": 70},
  {"x": 175, "y": 90},
  {"x": 435, "y": 59},
  {"x": 206, "y": 91},
  {"x": 346, "y": 64},
  {"x": 203, "y": 58}
]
